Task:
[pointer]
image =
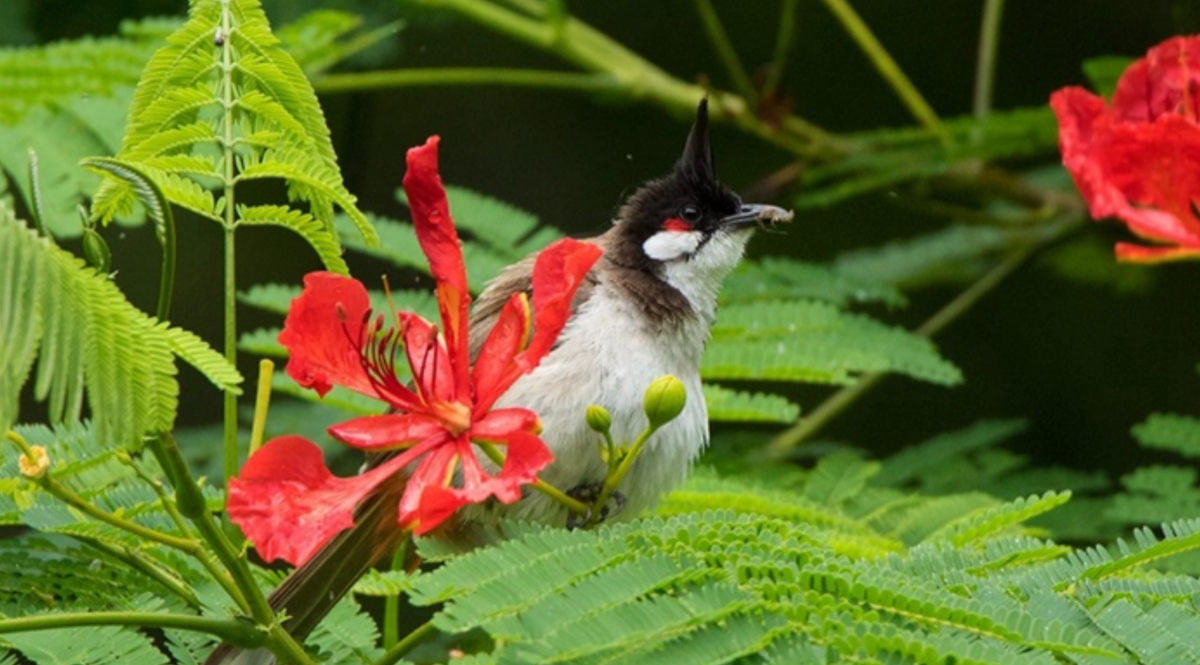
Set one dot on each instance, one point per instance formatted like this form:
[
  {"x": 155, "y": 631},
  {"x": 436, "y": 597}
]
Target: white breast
[{"x": 607, "y": 355}]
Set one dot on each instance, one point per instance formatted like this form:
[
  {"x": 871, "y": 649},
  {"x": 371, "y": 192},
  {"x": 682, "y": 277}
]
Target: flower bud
[
  {"x": 664, "y": 400},
  {"x": 598, "y": 418},
  {"x": 35, "y": 464},
  {"x": 96, "y": 251}
]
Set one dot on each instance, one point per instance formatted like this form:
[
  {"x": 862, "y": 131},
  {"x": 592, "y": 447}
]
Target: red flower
[
  {"x": 289, "y": 504},
  {"x": 1139, "y": 159}
]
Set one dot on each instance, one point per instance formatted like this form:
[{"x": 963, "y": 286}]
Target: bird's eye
[{"x": 690, "y": 214}]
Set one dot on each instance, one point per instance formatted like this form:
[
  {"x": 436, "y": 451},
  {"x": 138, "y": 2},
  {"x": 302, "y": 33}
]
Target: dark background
[{"x": 1083, "y": 363}]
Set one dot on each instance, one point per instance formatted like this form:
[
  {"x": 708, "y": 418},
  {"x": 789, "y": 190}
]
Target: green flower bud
[
  {"x": 664, "y": 400},
  {"x": 96, "y": 251},
  {"x": 598, "y": 418}
]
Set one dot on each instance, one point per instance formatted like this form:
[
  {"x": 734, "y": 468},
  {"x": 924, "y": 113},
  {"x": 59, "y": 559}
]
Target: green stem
[
  {"x": 410, "y": 641},
  {"x": 262, "y": 403},
  {"x": 134, "y": 559},
  {"x": 230, "y": 404},
  {"x": 783, "y": 43},
  {"x": 574, "y": 505},
  {"x": 166, "y": 280},
  {"x": 985, "y": 65},
  {"x": 842, "y": 399},
  {"x": 456, "y": 76},
  {"x": 613, "y": 480},
  {"x": 887, "y": 67},
  {"x": 725, "y": 52},
  {"x": 391, "y": 604},
  {"x": 638, "y": 78},
  {"x": 69, "y": 497},
  {"x": 230, "y": 630}
]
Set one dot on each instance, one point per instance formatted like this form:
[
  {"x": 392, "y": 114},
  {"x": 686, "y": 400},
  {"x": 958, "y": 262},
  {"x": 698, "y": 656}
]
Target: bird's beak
[{"x": 757, "y": 215}]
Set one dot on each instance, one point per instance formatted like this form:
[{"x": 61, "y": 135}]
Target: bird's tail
[{"x": 314, "y": 588}]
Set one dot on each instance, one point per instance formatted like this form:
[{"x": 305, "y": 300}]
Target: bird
[{"x": 644, "y": 310}]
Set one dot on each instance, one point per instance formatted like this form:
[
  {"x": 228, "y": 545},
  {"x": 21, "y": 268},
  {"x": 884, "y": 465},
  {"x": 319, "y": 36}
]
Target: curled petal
[
  {"x": 387, "y": 432},
  {"x": 439, "y": 240},
  {"x": 495, "y": 358},
  {"x": 557, "y": 274},
  {"x": 288, "y": 503},
  {"x": 322, "y": 331},
  {"x": 498, "y": 424},
  {"x": 429, "y": 359}
]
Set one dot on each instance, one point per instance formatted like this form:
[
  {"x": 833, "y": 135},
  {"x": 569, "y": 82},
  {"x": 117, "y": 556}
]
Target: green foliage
[
  {"x": 70, "y": 100},
  {"x": 224, "y": 104},
  {"x": 715, "y": 586},
  {"x": 86, "y": 335},
  {"x": 1103, "y": 72},
  {"x": 815, "y": 342},
  {"x": 886, "y": 158},
  {"x": 953, "y": 254},
  {"x": 1165, "y": 431},
  {"x": 733, "y": 405}
]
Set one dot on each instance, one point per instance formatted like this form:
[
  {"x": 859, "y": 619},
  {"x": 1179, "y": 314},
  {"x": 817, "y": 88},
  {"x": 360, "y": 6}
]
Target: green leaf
[
  {"x": 737, "y": 406},
  {"x": 1166, "y": 431},
  {"x": 775, "y": 278},
  {"x": 950, "y": 255},
  {"x": 809, "y": 341},
  {"x": 1104, "y": 71},
  {"x": 316, "y": 234},
  {"x": 87, "y": 336}
]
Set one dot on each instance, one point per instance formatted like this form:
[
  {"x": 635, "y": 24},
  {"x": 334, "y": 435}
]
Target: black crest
[{"x": 692, "y": 183}]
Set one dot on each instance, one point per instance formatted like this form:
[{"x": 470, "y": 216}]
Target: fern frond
[
  {"x": 838, "y": 477},
  {"x": 810, "y": 341},
  {"x": 777, "y": 278},
  {"x": 87, "y": 336},
  {"x": 950, "y": 255},
  {"x": 1167, "y": 431},
  {"x": 324, "y": 243},
  {"x": 223, "y": 103},
  {"x": 914, "y": 463},
  {"x": 984, "y": 522},
  {"x": 736, "y": 406},
  {"x": 1178, "y": 537}
]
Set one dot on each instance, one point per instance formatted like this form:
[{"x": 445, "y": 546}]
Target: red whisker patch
[{"x": 676, "y": 224}]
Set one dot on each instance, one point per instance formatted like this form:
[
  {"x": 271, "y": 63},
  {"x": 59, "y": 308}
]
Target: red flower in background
[
  {"x": 286, "y": 500},
  {"x": 1138, "y": 159}
]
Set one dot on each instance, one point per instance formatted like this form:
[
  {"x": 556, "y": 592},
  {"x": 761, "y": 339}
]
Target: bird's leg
[{"x": 588, "y": 493}]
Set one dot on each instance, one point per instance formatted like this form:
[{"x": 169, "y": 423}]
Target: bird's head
[{"x": 688, "y": 225}]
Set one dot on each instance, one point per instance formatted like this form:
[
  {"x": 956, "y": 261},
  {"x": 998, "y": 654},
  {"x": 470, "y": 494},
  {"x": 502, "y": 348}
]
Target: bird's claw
[{"x": 588, "y": 493}]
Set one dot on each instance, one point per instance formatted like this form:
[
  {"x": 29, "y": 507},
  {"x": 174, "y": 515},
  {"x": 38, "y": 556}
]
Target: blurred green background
[{"x": 1084, "y": 363}]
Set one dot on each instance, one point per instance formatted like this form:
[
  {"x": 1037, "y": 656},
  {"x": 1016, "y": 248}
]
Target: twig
[
  {"x": 457, "y": 76},
  {"x": 887, "y": 67},
  {"x": 410, "y": 641},
  {"x": 236, "y": 632},
  {"x": 985, "y": 64},
  {"x": 783, "y": 43},
  {"x": 725, "y": 52}
]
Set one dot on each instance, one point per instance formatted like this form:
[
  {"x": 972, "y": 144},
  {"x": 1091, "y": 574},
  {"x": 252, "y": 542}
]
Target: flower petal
[
  {"x": 498, "y": 424},
  {"x": 1164, "y": 82},
  {"x": 322, "y": 331},
  {"x": 428, "y": 358},
  {"x": 1130, "y": 253},
  {"x": 435, "y": 471},
  {"x": 439, "y": 240},
  {"x": 289, "y": 505},
  {"x": 387, "y": 432},
  {"x": 494, "y": 360},
  {"x": 557, "y": 274}
]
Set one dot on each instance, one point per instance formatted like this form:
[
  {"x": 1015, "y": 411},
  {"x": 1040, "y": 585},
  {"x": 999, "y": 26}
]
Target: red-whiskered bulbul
[{"x": 645, "y": 310}]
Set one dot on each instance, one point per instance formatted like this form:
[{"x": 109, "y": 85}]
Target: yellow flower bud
[
  {"x": 664, "y": 400},
  {"x": 598, "y": 418},
  {"x": 35, "y": 464}
]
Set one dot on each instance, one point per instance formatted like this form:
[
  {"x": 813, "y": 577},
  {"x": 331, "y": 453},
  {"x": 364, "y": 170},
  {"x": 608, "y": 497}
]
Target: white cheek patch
[{"x": 671, "y": 245}]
